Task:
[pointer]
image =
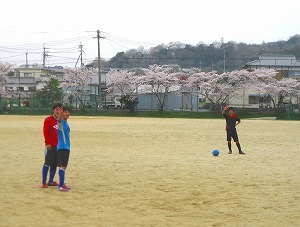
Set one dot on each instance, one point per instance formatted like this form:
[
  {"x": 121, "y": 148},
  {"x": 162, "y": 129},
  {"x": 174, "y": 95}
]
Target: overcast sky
[{"x": 62, "y": 24}]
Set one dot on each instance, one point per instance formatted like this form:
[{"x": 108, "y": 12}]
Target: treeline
[{"x": 207, "y": 57}]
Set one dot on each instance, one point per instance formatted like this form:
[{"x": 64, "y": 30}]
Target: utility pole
[
  {"x": 80, "y": 55},
  {"x": 27, "y": 59},
  {"x": 224, "y": 62},
  {"x": 99, "y": 71},
  {"x": 45, "y": 55},
  {"x": 80, "y": 47}
]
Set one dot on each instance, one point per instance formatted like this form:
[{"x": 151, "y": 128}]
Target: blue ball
[{"x": 216, "y": 152}]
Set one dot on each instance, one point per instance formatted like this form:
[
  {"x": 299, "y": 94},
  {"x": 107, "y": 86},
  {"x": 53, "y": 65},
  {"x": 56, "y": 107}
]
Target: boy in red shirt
[{"x": 51, "y": 139}]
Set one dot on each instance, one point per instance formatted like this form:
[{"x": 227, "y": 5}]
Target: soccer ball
[{"x": 216, "y": 152}]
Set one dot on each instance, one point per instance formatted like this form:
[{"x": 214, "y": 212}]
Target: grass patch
[
  {"x": 147, "y": 114},
  {"x": 170, "y": 114}
]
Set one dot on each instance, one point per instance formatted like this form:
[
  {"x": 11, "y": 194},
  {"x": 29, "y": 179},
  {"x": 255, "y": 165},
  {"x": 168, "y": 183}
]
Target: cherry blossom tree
[
  {"x": 218, "y": 88},
  {"x": 123, "y": 83},
  {"x": 266, "y": 84},
  {"x": 277, "y": 90},
  {"x": 156, "y": 79},
  {"x": 4, "y": 69},
  {"x": 287, "y": 88},
  {"x": 188, "y": 90},
  {"x": 76, "y": 82},
  {"x": 160, "y": 81}
]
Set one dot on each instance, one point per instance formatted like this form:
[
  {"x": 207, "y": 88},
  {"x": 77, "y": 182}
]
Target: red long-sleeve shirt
[{"x": 50, "y": 131}]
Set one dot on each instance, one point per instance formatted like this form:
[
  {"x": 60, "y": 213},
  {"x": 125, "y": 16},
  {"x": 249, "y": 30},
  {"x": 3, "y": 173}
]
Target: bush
[{"x": 129, "y": 102}]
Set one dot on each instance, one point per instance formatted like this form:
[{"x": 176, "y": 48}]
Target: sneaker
[
  {"x": 52, "y": 183},
  {"x": 66, "y": 187},
  {"x": 63, "y": 189},
  {"x": 229, "y": 152},
  {"x": 44, "y": 185},
  {"x": 241, "y": 152}
]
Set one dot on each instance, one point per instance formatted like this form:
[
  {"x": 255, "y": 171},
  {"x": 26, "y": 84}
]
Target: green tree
[
  {"x": 207, "y": 57},
  {"x": 10, "y": 74},
  {"x": 119, "y": 61},
  {"x": 50, "y": 93}
]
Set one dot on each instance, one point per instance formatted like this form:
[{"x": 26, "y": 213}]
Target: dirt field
[{"x": 153, "y": 172}]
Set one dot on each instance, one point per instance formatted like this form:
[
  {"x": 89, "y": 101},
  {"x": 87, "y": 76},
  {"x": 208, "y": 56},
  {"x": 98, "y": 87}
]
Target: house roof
[
  {"x": 275, "y": 60},
  {"x": 55, "y": 70}
]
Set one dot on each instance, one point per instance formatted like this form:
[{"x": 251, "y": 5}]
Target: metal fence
[{"x": 35, "y": 106}]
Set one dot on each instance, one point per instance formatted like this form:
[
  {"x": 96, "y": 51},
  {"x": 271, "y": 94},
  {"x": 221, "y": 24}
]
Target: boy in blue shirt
[{"x": 63, "y": 146}]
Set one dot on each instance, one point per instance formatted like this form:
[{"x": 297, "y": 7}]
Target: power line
[
  {"x": 63, "y": 57},
  {"x": 13, "y": 56},
  {"x": 50, "y": 43}
]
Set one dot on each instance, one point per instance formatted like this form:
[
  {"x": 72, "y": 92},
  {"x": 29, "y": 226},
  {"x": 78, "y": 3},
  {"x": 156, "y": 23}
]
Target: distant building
[
  {"x": 174, "y": 101},
  {"x": 285, "y": 65},
  {"x": 250, "y": 99},
  {"x": 93, "y": 95},
  {"x": 27, "y": 80}
]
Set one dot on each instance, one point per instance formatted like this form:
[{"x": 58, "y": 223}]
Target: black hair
[
  {"x": 65, "y": 108},
  {"x": 231, "y": 108},
  {"x": 56, "y": 105}
]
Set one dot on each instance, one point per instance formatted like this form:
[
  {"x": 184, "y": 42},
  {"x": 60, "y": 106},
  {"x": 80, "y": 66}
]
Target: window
[
  {"x": 257, "y": 99},
  {"x": 27, "y": 74},
  {"x": 32, "y": 89},
  {"x": 254, "y": 99}
]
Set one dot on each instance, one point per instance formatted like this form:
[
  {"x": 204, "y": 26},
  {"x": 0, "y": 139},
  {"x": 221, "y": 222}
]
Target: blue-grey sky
[{"x": 61, "y": 25}]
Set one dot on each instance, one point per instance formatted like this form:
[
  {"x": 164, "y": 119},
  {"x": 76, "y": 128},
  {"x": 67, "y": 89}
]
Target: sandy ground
[{"x": 153, "y": 172}]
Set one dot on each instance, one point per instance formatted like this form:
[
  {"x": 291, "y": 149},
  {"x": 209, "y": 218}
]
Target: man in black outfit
[{"x": 231, "y": 121}]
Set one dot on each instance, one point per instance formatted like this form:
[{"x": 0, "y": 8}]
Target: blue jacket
[{"x": 63, "y": 135}]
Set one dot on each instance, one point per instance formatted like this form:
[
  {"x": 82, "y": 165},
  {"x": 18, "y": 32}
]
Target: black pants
[
  {"x": 63, "y": 157},
  {"x": 232, "y": 134}
]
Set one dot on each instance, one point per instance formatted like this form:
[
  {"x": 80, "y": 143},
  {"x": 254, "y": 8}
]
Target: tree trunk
[
  {"x": 274, "y": 106},
  {"x": 160, "y": 107},
  {"x": 280, "y": 101},
  {"x": 81, "y": 102}
]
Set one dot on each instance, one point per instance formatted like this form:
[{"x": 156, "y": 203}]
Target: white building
[
  {"x": 287, "y": 66},
  {"x": 27, "y": 80}
]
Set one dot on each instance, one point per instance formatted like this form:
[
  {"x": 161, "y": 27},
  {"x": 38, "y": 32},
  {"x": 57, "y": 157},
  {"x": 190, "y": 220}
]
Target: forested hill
[{"x": 208, "y": 57}]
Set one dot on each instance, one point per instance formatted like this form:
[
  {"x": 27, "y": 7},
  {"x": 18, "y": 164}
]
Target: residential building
[
  {"x": 285, "y": 65},
  {"x": 27, "y": 80},
  {"x": 248, "y": 98}
]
